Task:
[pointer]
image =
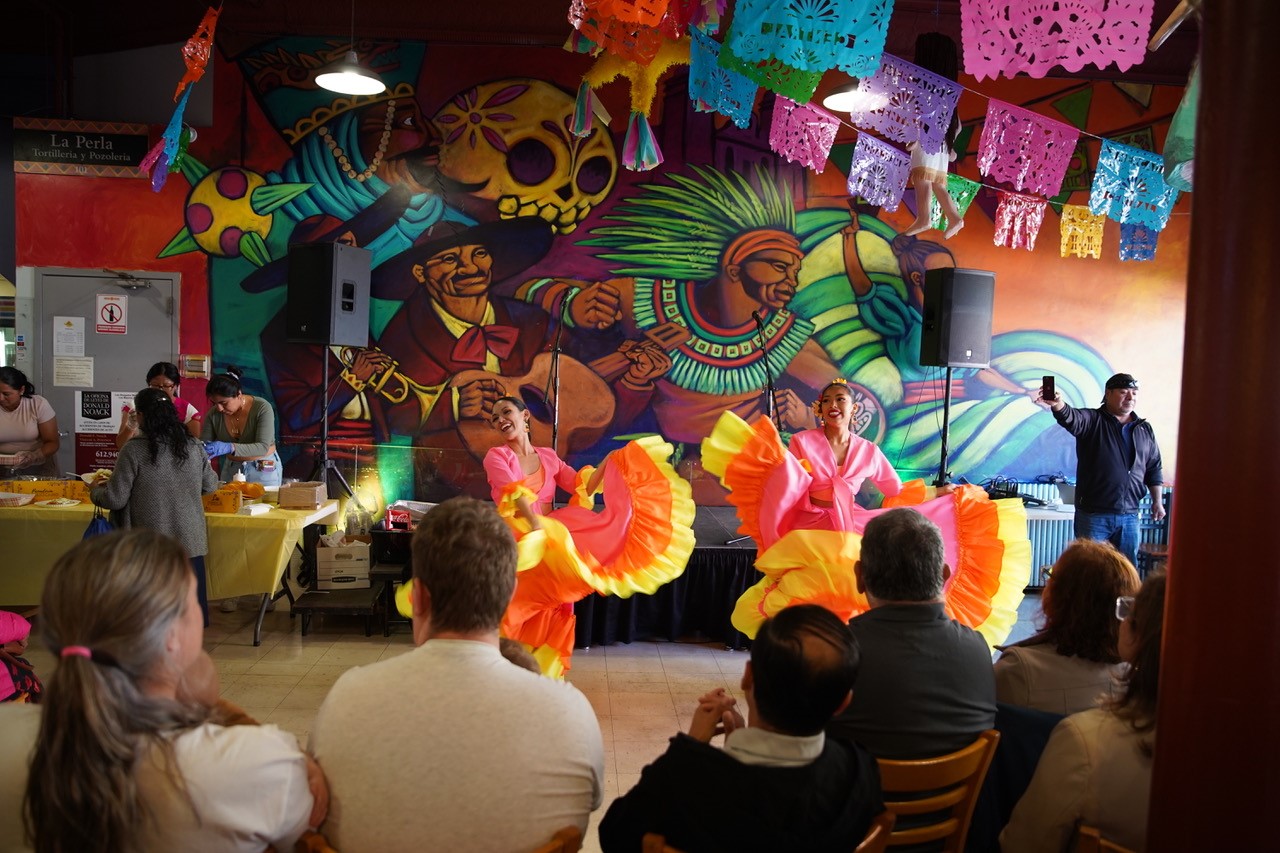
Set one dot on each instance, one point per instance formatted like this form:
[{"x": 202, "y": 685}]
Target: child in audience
[{"x": 18, "y": 681}]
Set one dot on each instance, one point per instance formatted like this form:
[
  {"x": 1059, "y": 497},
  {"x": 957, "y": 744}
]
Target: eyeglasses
[
  {"x": 163, "y": 386},
  {"x": 1124, "y": 607}
]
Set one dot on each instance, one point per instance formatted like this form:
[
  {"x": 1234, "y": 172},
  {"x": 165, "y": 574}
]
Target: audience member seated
[
  {"x": 779, "y": 783},
  {"x": 19, "y": 725},
  {"x": 1096, "y": 768},
  {"x": 925, "y": 685},
  {"x": 449, "y": 746},
  {"x": 1073, "y": 662},
  {"x": 121, "y": 763}
]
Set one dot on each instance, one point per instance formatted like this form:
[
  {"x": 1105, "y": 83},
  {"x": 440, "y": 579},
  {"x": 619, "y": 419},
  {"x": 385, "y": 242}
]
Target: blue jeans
[{"x": 1120, "y": 530}]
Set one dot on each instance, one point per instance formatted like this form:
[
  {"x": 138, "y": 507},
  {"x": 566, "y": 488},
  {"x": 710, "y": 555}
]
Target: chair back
[
  {"x": 947, "y": 785},
  {"x": 878, "y": 835},
  {"x": 567, "y": 840},
  {"x": 1090, "y": 840}
]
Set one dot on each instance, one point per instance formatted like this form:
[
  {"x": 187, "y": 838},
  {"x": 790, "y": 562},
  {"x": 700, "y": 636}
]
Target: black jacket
[{"x": 1107, "y": 480}]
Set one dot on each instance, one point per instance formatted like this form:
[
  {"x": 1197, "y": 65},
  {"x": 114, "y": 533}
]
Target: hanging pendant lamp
[{"x": 349, "y": 77}]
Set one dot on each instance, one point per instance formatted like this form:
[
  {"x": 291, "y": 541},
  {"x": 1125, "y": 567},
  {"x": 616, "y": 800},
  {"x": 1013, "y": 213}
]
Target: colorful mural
[{"x": 499, "y": 237}]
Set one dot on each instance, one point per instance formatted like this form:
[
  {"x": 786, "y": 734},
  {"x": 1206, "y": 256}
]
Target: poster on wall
[
  {"x": 98, "y": 416},
  {"x": 68, "y": 337},
  {"x": 113, "y": 314},
  {"x": 98, "y": 412}
]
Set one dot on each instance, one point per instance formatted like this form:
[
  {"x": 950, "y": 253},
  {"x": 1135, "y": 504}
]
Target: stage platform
[{"x": 695, "y": 606}]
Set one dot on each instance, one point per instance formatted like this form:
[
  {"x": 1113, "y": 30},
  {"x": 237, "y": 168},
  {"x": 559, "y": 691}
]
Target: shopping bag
[{"x": 99, "y": 525}]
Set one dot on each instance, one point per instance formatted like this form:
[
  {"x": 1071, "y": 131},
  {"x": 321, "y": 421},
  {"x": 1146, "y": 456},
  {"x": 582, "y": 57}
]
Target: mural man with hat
[
  {"x": 454, "y": 347},
  {"x": 1119, "y": 461}
]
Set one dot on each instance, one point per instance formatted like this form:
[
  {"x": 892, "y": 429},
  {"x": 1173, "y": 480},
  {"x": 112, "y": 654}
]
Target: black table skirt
[{"x": 695, "y": 606}]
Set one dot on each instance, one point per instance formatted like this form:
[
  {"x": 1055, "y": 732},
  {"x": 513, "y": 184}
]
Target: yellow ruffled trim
[
  {"x": 510, "y": 512},
  {"x": 743, "y": 455},
  {"x": 581, "y": 497},
  {"x": 550, "y": 661},
  {"x": 662, "y": 509},
  {"x": 804, "y": 566},
  {"x": 1015, "y": 571}
]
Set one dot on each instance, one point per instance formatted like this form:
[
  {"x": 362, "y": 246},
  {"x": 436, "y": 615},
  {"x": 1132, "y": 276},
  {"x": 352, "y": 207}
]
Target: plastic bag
[{"x": 99, "y": 525}]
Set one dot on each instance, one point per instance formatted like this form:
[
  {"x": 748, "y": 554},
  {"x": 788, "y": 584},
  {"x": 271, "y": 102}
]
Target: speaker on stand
[
  {"x": 328, "y": 304},
  {"x": 955, "y": 332}
]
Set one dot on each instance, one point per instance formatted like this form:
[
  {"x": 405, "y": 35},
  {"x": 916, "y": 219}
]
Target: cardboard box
[
  {"x": 45, "y": 490},
  {"x": 303, "y": 495},
  {"x": 223, "y": 500},
  {"x": 345, "y": 567}
]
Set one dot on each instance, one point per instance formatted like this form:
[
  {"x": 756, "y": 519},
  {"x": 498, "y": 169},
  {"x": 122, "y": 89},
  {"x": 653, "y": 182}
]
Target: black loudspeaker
[
  {"x": 957, "y": 318},
  {"x": 328, "y": 294}
]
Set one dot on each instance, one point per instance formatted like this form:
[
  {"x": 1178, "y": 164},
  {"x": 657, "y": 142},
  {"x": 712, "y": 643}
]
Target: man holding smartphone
[{"x": 1118, "y": 460}]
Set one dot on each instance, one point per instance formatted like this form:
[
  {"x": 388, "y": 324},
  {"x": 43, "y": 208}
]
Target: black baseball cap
[{"x": 1122, "y": 380}]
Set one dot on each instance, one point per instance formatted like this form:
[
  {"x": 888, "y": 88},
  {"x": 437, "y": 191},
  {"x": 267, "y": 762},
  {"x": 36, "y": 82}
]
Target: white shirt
[{"x": 451, "y": 747}]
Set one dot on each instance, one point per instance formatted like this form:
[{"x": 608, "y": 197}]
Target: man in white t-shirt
[{"x": 449, "y": 746}]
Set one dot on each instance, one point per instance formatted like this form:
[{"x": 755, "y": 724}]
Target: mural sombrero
[
  {"x": 985, "y": 541},
  {"x": 515, "y": 244}
]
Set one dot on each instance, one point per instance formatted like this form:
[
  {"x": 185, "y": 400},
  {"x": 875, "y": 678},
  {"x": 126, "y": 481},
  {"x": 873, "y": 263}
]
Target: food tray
[{"x": 14, "y": 499}]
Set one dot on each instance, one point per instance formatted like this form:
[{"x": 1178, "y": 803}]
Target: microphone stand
[
  {"x": 770, "y": 408},
  {"x": 944, "y": 476},
  {"x": 554, "y": 380}
]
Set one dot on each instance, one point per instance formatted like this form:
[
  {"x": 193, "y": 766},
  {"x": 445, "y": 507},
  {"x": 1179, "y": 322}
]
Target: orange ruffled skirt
[
  {"x": 640, "y": 540},
  {"x": 986, "y": 541}
]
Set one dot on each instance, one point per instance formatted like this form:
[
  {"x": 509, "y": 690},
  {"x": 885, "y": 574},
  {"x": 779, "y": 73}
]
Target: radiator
[{"x": 1050, "y": 536}]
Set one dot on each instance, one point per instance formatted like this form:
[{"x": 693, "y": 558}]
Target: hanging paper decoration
[
  {"x": 1137, "y": 242},
  {"x": 629, "y": 41},
  {"x": 878, "y": 172},
  {"x": 1128, "y": 186},
  {"x": 772, "y": 74},
  {"x": 812, "y": 35},
  {"x": 584, "y": 109},
  {"x": 1018, "y": 220},
  {"x": 1081, "y": 232},
  {"x": 1180, "y": 143},
  {"x": 195, "y": 53},
  {"x": 1025, "y": 149},
  {"x": 640, "y": 151},
  {"x": 906, "y": 103},
  {"x": 646, "y": 13},
  {"x": 962, "y": 191},
  {"x": 683, "y": 15},
  {"x": 1009, "y": 36},
  {"x": 802, "y": 133},
  {"x": 713, "y": 88},
  {"x": 169, "y": 144},
  {"x": 577, "y": 13}
]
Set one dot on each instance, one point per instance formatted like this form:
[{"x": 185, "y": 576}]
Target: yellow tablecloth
[{"x": 247, "y": 553}]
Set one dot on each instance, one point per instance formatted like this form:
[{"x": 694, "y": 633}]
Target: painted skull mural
[{"x": 512, "y": 137}]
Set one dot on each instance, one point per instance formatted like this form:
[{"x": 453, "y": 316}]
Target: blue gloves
[{"x": 218, "y": 448}]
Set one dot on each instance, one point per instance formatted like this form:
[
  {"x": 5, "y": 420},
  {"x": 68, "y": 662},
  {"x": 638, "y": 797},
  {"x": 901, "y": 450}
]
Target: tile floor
[{"x": 642, "y": 692}]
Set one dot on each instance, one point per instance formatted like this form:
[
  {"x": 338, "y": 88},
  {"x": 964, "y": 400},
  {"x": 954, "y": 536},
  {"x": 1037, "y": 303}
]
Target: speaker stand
[
  {"x": 944, "y": 476},
  {"x": 326, "y": 467}
]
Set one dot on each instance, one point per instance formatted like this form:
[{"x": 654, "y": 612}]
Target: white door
[{"x": 99, "y": 332}]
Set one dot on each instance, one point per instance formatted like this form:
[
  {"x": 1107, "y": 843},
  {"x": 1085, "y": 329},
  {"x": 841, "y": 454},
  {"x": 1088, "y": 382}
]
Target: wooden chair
[
  {"x": 567, "y": 840},
  {"x": 1090, "y": 840},
  {"x": 878, "y": 835},
  {"x": 875, "y": 842},
  {"x": 947, "y": 784}
]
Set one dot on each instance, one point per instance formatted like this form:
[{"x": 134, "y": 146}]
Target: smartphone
[{"x": 1047, "y": 392}]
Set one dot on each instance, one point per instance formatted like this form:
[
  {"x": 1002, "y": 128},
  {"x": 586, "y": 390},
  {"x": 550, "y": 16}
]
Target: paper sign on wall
[
  {"x": 99, "y": 411},
  {"x": 113, "y": 314},
  {"x": 68, "y": 336},
  {"x": 73, "y": 372}
]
